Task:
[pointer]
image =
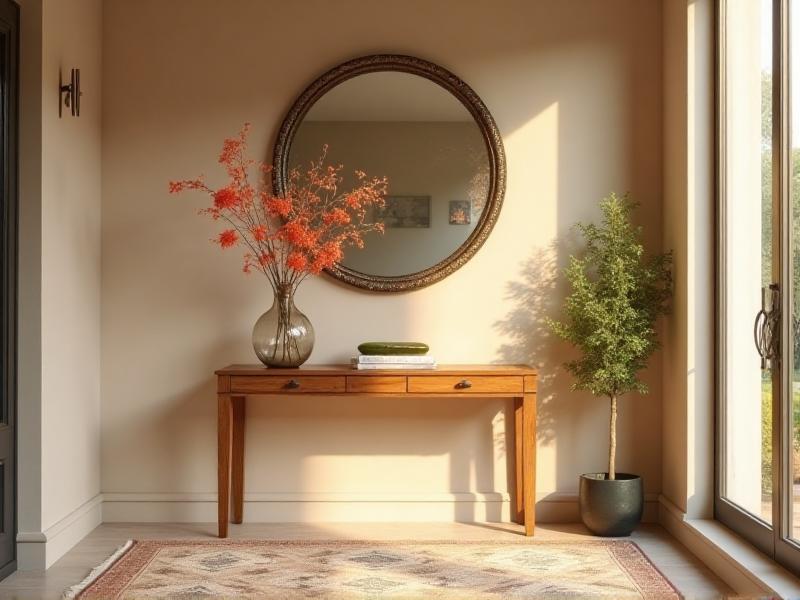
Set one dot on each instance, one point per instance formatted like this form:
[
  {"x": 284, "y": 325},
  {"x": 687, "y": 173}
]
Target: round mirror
[{"x": 434, "y": 140}]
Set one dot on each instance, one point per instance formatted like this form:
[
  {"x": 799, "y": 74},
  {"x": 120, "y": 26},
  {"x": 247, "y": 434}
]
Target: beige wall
[
  {"x": 71, "y": 262},
  {"x": 575, "y": 89},
  {"x": 688, "y": 378},
  {"x": 675, "y": 236},
  {"x": 60, "y": 275}
]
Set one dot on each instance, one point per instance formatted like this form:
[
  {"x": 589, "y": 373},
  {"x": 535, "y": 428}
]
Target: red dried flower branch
[{"x": 295, "y": 235}]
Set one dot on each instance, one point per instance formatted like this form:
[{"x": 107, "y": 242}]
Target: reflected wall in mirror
[{"x": 431, "y": 136}]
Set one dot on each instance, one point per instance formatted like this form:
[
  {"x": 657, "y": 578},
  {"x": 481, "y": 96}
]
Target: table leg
[
  {"x": 237, "y": 467},
  {"x": 529, "y": 460},
  {"x": 518, "y": 515},
  {"x": 223, "y": 461}
]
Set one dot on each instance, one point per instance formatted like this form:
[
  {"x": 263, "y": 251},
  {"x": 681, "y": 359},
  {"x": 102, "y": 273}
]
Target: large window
[{"x": 758, "y": 452}]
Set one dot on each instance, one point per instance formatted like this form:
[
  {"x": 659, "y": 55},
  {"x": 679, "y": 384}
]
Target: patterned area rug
[{"x": 350, "y": 569}]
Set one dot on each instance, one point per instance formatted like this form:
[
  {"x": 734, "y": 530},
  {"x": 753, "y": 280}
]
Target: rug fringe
[{"x": 73, "y": 591}]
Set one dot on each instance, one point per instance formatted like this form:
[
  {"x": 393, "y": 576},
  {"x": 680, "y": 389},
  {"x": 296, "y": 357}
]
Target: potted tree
[{"x": 611, "y": 312}]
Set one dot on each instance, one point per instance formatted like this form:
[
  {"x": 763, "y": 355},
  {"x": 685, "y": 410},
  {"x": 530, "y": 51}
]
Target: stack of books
[{"x": 393, "y": 361}]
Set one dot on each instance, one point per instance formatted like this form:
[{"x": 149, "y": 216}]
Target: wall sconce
[{"x": 71, "y": 93}]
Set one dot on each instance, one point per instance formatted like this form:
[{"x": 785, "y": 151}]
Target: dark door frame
[{"x": 9, "y": 113}]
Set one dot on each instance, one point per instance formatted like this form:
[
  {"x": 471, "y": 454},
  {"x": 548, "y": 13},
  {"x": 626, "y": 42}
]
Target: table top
[{"x": 344, "y": 369}]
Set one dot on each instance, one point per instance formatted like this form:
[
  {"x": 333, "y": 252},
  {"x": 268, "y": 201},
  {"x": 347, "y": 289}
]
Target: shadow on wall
[{"x": 535, "y": 297}]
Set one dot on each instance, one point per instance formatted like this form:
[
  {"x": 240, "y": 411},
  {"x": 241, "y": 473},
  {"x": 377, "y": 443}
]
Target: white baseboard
[
  {"x": 309, "y": 507},
  {"x": 37, "y": 550},
  {"x": 329, "y": 507},
  {"x": 562, "y": 507}
]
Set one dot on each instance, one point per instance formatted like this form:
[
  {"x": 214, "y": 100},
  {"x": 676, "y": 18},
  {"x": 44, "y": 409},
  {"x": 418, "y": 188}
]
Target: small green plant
[{"x": 610, "y": 315}]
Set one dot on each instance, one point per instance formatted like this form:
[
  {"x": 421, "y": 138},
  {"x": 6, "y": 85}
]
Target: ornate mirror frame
[{"x": 479, "y": 112}]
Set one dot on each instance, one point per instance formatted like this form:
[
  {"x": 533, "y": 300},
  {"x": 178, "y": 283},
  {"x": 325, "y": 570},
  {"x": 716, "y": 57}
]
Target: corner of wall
[
  {"x": 688, "y": 383},
  {"x": 702, "y": 252},
  {"x": 39, "y": 550},
  {"x": 56, "y": 505}
]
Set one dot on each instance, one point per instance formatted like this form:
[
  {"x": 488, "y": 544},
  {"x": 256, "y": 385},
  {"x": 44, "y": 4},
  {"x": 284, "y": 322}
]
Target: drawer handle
[
  {"x": 464, "y": 384},
  {"x": 292, "y": 384}
]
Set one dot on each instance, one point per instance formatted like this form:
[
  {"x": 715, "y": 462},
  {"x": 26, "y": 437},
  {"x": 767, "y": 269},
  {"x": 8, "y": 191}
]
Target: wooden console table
[{"x": 237, "y": 382}]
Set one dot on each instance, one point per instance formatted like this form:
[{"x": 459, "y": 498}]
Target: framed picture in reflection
[
  {"x": 460, "y": 212},
  {"x": 406, "y": 212}
]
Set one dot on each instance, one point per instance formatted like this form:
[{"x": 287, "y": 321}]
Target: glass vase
[{"x": 283, "y": 336}]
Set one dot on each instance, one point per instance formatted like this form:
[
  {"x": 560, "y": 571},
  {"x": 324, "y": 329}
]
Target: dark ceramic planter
[{"x": 611, "y": 508}]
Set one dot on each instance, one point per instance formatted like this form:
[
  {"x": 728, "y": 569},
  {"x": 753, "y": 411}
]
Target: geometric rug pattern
[{"x": 182, "y": 569}]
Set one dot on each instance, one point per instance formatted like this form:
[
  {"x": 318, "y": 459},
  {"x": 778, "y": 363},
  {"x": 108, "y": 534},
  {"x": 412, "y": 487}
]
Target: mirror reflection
[{"x": 425, "y": 142}]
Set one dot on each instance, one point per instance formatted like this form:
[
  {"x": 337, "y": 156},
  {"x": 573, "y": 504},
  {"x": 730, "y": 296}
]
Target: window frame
[{"x": 772, "y": 539}]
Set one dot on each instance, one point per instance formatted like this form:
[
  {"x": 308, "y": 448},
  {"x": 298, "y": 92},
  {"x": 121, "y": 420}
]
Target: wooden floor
[{"x": 685, "y": 572}]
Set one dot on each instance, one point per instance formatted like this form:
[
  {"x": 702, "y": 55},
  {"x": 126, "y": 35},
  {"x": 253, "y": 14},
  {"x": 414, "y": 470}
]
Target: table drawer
[
  {"x": 376, "y": 384},
  {"x": 440, "y": 384},
  {"x": 301, "y": 384}
]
